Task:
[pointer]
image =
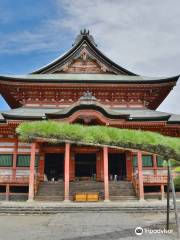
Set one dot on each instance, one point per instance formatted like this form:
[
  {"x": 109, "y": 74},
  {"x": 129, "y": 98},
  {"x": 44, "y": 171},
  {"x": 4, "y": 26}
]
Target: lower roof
[{"x": 131, "y": 114}]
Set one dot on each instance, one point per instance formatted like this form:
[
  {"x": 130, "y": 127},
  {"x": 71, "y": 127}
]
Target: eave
[{"x": 85, "y": 78}]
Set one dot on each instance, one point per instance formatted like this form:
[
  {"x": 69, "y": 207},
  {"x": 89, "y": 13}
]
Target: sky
[{"x": 142, "y": 36}]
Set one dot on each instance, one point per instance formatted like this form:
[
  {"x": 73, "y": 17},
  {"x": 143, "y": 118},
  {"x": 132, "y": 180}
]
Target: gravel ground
[{"x": 82, "y": 226}]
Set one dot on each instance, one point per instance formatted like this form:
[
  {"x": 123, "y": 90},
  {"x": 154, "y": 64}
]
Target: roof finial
[{"x": 84, "y": 33}]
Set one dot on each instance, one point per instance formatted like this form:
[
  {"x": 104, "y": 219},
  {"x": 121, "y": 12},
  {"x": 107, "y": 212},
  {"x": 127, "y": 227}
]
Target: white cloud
[{"x": 142, "y": 35}]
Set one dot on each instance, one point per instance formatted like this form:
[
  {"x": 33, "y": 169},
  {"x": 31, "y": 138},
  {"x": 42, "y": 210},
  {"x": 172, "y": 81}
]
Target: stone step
[
  {"x": 49, "y": 198},
  {"x": 54, "y": 191}
]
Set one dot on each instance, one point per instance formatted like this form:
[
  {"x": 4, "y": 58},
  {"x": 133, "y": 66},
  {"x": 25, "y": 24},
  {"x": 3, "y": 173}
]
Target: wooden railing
[
  {"x": 155, "y": 179},
  {"x": 135, "y": 184},
  {"x": 14, "y": 179}
]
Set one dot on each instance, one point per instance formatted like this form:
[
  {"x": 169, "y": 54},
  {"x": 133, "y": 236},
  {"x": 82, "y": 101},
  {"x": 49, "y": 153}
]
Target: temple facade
[{"x": 82, "y": 86}]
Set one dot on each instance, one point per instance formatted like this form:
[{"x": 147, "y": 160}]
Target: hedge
[{"x": 167, "y": 147}]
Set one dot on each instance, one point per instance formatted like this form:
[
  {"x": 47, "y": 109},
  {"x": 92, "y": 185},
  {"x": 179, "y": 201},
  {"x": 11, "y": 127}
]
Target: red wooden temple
[{"x": 82, "y": 86}]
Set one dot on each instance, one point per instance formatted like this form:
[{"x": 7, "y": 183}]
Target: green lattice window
[
  {"x": 160, "y": 161},
  {"x": 6, "y": 160},
  {"x": 134, "y": 161},
  {"x": 23, "y": 160},
  {"x": 146, "y": 161}
]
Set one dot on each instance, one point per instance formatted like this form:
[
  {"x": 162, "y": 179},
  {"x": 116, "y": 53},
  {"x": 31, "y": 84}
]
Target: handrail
[
  {"x": 155, "y": 178},
  {"x": 14, "y": 179}
]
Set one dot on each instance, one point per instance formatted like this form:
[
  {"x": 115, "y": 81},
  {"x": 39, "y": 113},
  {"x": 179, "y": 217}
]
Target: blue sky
[{"x": 142, "y": 36}]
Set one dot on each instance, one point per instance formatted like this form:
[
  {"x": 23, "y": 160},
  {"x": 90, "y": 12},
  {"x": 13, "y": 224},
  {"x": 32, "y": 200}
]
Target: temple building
[{"x": 86, "y": 87}]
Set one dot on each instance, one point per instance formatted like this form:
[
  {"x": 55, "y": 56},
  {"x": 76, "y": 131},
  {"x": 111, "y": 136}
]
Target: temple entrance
[
  {"x": 54, "y": 166},
  {"x": 117, "y": 166},
  {"x": 85, "y": 166}
]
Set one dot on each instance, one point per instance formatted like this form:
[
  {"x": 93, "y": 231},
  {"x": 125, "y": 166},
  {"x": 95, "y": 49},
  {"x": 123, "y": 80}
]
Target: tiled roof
[
  {"x": 134, "y": 114},
  {"x": 84, "y": 78}
]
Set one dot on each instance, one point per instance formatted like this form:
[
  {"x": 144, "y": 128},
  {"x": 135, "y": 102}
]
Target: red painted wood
[
  {"x": 72, "y": 167},
  {"x": 15, "y": 157},
  {"x": 32, "y": 172},
  {"x": 140, "y": 176},
  {"x": 129, "y": 166},
  {"x": 66, "y": 172},
  {"x": 98, "y": 166},
  {"x": 106, "y": 176},
  {"x": 155, "y": 164}
]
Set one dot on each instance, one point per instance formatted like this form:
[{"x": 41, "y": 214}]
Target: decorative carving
[{"x": 88, "y": 96}]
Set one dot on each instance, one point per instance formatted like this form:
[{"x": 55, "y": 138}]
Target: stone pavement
[
  {"x": 84, "y": 221},
  {"x": 134, "y": 203},
  {"x": 82, "y": 226}
]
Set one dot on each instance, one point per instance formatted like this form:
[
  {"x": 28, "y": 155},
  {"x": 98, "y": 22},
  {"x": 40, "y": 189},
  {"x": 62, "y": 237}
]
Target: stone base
[
  {"x": 66, "y": 201},
  {"x": 30, "y": 200}
]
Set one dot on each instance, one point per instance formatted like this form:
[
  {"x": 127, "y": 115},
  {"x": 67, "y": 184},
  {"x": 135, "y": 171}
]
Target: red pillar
[
  {"x": 32, "y": 171},
  {"x": 129, "y": 166},
  {"x": 155, "y": 164},
  {"x": 106, "y": 178},
  {"x": 15, "y": 152},
  {"x": 7, "y": 192},
  {"x": 140, "y": 176},
  {"x": 66, "y": 172}
]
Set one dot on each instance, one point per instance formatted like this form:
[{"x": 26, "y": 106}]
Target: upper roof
[
  {"x": 85, "y": 49},
  {"x": 84, "y": 64}
]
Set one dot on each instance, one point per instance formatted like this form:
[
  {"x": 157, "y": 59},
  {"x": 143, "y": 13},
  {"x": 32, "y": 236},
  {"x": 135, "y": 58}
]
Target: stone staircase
[
  {"x": 121, "y": 190},
  {"x": 54, "y": 191},
  {"x": 50, "y": 191},
  {"x": 87, "y": 186}
]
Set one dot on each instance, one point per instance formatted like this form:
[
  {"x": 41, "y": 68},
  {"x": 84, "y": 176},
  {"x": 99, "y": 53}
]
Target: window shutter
[{"x": 6, "y": 160}]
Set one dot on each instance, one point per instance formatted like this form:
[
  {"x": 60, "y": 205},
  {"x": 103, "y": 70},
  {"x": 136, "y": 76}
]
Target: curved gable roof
[{"x": 83, "y": 41}]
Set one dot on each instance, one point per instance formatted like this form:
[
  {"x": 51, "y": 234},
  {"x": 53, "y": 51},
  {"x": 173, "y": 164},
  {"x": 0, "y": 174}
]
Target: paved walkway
[
  {"x": 134, "y": 203},
  {"x": 82, "y": 226}
]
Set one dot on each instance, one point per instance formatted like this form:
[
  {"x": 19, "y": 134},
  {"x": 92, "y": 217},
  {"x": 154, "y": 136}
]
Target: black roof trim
[
  {"x": 160, "y": 118},
  {"x": 19, "y": 117}
]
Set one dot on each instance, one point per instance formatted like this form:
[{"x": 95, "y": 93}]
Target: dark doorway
[
  {"x": 117, "y": 166},
  {"x": 54, "y": 166},
  {"x": 85, "y": 165}
]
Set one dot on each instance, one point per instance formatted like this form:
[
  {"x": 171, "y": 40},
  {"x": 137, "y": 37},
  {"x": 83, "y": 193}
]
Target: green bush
[
  {"x": 177, "y": 183},
  {"x": 167, "y": 147}
]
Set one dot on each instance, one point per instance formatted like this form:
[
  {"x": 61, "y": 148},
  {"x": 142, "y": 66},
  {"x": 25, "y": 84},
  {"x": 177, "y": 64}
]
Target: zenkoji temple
[{"x": 82, "y": 86}]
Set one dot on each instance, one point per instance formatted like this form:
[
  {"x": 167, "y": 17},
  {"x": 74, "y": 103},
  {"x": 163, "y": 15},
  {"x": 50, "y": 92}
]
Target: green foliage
[
  {"x": 168, "y": 147},
  {"x": 177, "y": 169},
  {"x": 177, "y": 183}
]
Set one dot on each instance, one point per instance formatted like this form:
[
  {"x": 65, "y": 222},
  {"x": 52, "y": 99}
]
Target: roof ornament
[
  {"x": 88, "y": 96},
  {"x": 84, "y": 33}
]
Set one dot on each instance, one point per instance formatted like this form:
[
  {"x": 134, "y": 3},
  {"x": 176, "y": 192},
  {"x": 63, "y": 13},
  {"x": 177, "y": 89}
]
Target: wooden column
[
  {"x": 106, "y": 178},
  {"x": 15, "y": 152},
  {"x": 129, "y": 165},
  {"x": 72, "y": 167},
  {"x": 66, "y": 172},
  {"x": 162, "y": 192},
  {"x": 41, "y": 165},
  {"x": 7, "y": 192},
  {"x": 98, "y": 166},
  {"x": 101, "y": 166},
  {"x": 155, "y": 164},
  {"x": 140, "y": 176},
  {"x": 32, "y": 172}
]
